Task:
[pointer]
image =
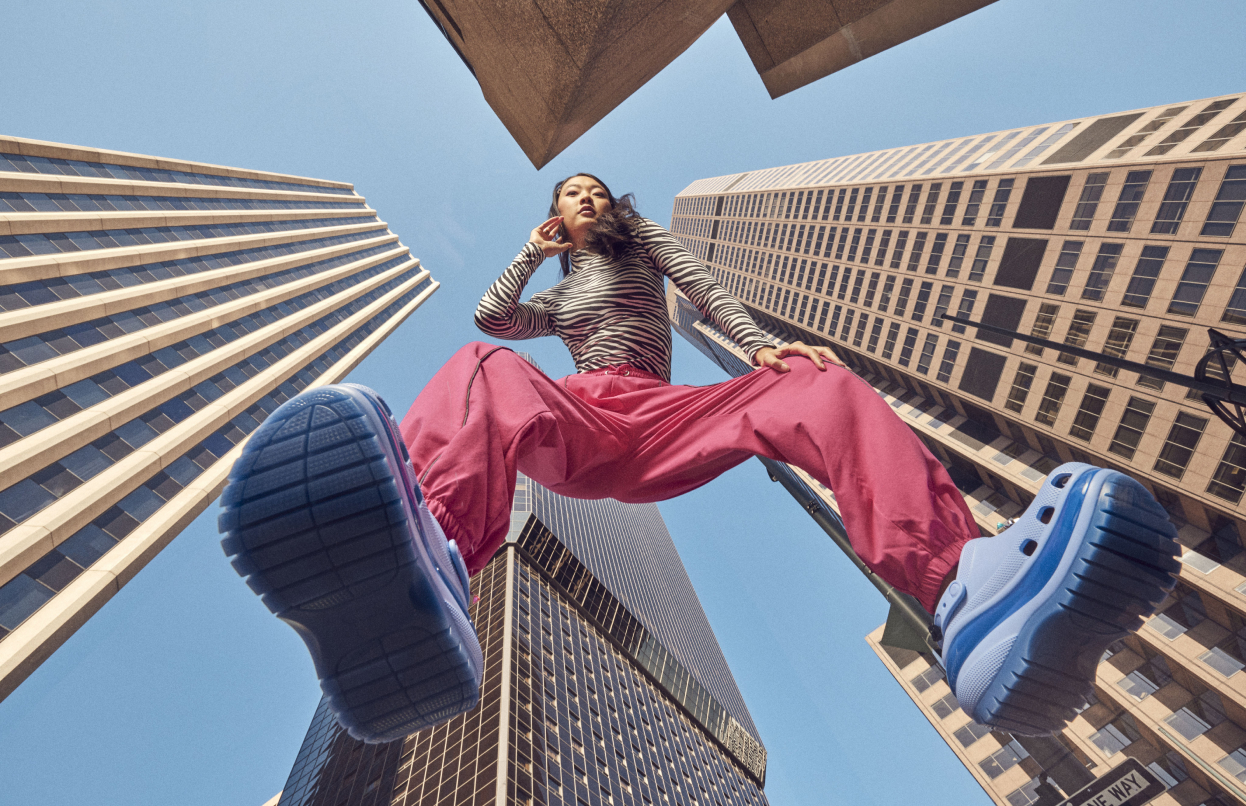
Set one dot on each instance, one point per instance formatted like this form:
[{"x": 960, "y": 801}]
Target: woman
[{"x": 340, "y": 518}]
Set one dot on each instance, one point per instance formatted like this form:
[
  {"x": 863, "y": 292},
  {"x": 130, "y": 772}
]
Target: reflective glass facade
[
  {"x": 581, "y": 703},
  {"x": 1118, "y": 234},
  {"x": 152, "y": 314}
]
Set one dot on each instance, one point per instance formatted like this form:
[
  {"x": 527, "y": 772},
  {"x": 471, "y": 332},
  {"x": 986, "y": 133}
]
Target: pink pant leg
[
  {"x": 903, "y": 514},
  {"x": 466, "y": 445}
]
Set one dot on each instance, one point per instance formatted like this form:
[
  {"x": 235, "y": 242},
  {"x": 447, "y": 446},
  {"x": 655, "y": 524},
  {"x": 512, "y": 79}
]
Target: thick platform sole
[
  {"x": 322, "y": 518},
  {"x": 1035, "y": 666}
]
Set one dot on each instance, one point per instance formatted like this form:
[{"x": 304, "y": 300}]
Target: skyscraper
[
  {"x": 603, "y": 683},
  {"x": 152, "y": 313},
  {"x": 1115, "y": 233}
]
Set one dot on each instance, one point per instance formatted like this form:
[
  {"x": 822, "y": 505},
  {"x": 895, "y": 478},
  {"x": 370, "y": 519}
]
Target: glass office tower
[
  {"x": 603, "y": 683},
  {"x": 1116, "y": 233},
  {"x": 152, "y": 313}
]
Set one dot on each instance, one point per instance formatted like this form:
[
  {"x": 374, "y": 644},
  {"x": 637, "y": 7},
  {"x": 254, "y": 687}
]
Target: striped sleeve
[
  {"x": 500, "y": 313},
  {"x": 691, "y": 277}
]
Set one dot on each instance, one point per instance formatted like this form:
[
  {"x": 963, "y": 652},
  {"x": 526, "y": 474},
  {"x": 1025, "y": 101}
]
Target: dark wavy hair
[{"x": 611, "y": 233}]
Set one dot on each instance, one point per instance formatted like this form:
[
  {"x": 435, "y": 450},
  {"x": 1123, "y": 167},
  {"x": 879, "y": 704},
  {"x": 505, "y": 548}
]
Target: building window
[
  {"x": 983, "y": 256},
  {"x": 974, "y": 203},
  {"x": 906, "y": 351},
  {"x": 949, "y": 208},
  {"x": 919, "y": 246},
  {"x": 878, "y": 205},
  {"x": 1066, "y": 263},
  {"x": 1088, "y": 413},
  {"x": 945, "y": 706},
  {"x": 902, "y": 301},
  {"x": 875, "y": 332},
  {"x": 948, "y": 362},
  {"x": 1116, "y": 735},
  {"x": 1227, "y": 207},
  {"x": 849, "y": 314},
  {"x": 860, "y": 332},
  {"x": 1053, "y": 397},
  {"x": 932, "y": 201},
  {"x": 941, "y": 306},
  {"x": 1002, "y": 191},
  {"x": 910, "y": 209},
  {"x": 1043, "y": 324},
  {"x": 928, "y": 351},
  {"x": 1198, "y": 717},
  {"x": 896, "y": 195},
  {"x": 957, "y": 259},
  {"x": 826, "y": 306},
  {"x": 890, "y": 344},
  {"x": 967, "y": 299},
  {"x": 1179, "y": 447},
  {"x": 1235, "y": 764},
  {"x": 1194, "y": 280},
  {"x": 923, "y": 297},
  {"x": 1092, "y": 191},
  {"x": 1079, "y": 331},
  {"x": 865, "y": 204},
  {"x": 1145, "y": 131},
  {"x": 1003, "y": 759},
  {"x": 856, "y": 287},
  {"x": 1131, "y": 197},
  {"x": 902, "y": 240},
  {"x": 1230, "y": 478},
  {"x": 1185, "y": 612},
  {"x": 1223, "y": 135},
  {"x": 871, "y": 289},
  {"x": 883, "y": 243},
  {"x": 927, "y": 679},
  {"x": 1163, "y": 354},
  {"x": 1132, "y": 426},
  {"x": 1021, "y": 383},
  {"x": 884, "y": 299},
  {"x": 936, "y": 253},
  {"x": 1176, "y": 199},
  {"x": 1192, "y": 125},
  {"x": 1145, "y": 273},
  {"x": 1117, "y": 346},
  {"x": 1101, "y": 271},
  {"x": 970, "y": 733}
]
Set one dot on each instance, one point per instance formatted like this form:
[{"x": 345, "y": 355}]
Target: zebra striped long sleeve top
[{"x": 611, "y": 312}]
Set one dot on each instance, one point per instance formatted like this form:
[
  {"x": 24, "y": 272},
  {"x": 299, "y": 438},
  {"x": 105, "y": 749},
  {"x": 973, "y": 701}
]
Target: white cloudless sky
[{"x": 183, "y": 689}]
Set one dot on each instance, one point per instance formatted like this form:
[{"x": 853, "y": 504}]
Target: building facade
[
  {"x": 152, "y": 313},
  {"x": 1118, "y": 234},
  {"x": 603, "y": 684}
]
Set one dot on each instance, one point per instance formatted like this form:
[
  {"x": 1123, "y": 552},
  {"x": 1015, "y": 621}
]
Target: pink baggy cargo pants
[{"x": 625, "y": 434}]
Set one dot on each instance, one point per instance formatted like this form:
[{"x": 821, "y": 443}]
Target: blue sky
[{"x": 183, "y": 689}]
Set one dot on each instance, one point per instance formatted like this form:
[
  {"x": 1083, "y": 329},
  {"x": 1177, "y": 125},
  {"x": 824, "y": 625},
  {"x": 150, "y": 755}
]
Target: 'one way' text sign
[{"x": 1129, "y": 784}]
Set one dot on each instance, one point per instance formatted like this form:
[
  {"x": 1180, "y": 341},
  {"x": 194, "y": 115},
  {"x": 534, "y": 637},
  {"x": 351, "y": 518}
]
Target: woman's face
[{"x": 581, "y": 202}]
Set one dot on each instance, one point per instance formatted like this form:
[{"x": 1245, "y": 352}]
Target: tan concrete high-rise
[
  {"x": 1119, "y": 234},
  {"x": 152, "y": 313},
  {"x": 552, "y": 70}
]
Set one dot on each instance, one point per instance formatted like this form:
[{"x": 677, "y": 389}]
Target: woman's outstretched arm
[
  {"x": 691, "y": 277},
  {"x": 500, "y": 313}
]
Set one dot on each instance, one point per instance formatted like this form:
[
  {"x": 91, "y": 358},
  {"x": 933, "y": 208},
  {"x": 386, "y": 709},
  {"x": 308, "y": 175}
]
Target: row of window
[
  {"x": 987, "y": 153},
  {"x": 104, "y": 170},
  {"x": 861, "y": 203},
  {"x": 78, "y": 202},
  {"x": 27, "y": 592},
  {"x": 34, "y": 349},
  {"x": 34, "y": 415},
  {"x": 22, "y": 499},
  {"x": 978, "y": 151},
  {"x": 53, "y": 243},
  {"x": 1221, "y": 217},
  {"x": 41, "y": 292}
]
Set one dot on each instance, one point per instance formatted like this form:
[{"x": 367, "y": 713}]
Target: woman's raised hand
[
  {"x": 546, "y": 236},
  {"x": 773, "y": 358}
]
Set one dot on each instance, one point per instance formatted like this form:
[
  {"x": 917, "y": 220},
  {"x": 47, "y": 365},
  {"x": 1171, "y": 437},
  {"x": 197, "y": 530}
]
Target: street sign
[{"x": 1128, "y": 784}]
